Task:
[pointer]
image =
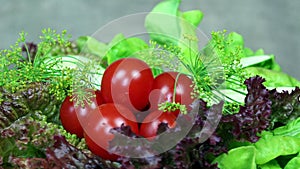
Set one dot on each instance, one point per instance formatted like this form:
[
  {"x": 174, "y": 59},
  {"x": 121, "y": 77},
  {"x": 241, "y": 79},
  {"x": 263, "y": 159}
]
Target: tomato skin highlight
[
  {"x": 151, "y": 123},
  {"x": 101, "y": 121},
  {"x": 127, "y": 81},
  {"x": 163, "y": 90},
  {"x": 69, "y": 114}
]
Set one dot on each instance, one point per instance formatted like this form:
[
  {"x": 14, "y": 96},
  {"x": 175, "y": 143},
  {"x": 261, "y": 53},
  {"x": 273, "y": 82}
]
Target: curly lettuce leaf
[
  {"x": 253, "y": 117},
  {"x": 29, "y": 137},
  {"x": 32, "y": 99},
  {"x": 61, "y": 154},
  {"x": 285, "y": 106},
  {"x": 25, "y": 138}
]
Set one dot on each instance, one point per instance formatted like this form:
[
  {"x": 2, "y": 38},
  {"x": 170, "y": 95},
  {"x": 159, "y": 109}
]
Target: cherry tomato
[
  {"x": 128, "y": 82},
  {"x": 151, "y": 123},
  {"x": 99, "y": 97},
  {"x": 69, "y": 117},
  {"x": 101, "y": 121},
  {"x": 163, "y": 90}
]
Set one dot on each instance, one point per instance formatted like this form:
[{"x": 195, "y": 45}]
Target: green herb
[
  {"x": 64, "y": 73},
  {"x": 18, "y": 71}
]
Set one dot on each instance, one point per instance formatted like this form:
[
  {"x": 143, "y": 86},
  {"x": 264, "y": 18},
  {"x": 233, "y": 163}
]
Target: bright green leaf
[
  {"x": 273, "y": 78},
  {"x": 91, "y": 45},
  {"x": 291, "y": 129},
  {"x": 194, "y": 17},
  {"x": 253, "y": 60},
  {"x": 270, "y": 147},
  {"x": 238, "y": 158},
  {"x": 162, "y": 22},
  {"x": 273, "y": 164},
  {"x": 121, "y": 47},
  {"x": 293, "y": 163}
]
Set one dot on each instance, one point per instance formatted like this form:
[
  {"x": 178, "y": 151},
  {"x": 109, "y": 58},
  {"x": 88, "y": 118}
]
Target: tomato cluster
[{"x": 129, "y": 95}]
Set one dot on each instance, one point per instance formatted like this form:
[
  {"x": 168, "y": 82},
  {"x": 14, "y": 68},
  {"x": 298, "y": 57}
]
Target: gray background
[{"x": 273, "y": 25}]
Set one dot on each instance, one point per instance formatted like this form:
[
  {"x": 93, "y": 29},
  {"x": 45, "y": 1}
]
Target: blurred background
[{"x": 273, "y": 25}]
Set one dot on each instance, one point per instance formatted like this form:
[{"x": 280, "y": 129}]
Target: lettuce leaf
[
  {"x": 285, "y": 106},
  {"x": 270, "y": 147},
  {"x": 121, "y": 47},
  {"x": 293, "y": 163},
  {"x": 291, "y": 129},
  {"x": 61, "y": 154},
  {"x": 32, "y": 99},
  {"x": 162, "y": 22},
  {"x": 273, "y": 78},
  {"x": 88, "y": 44},
  {"x": 241, "y": 157},
  {"x": 237, "y": 41},
  {"x": 273, "y": 164},
  {"x": 28, "y": 138},
  {"x": 167, "y": 25},
  {"x": 253, "y": 117}
]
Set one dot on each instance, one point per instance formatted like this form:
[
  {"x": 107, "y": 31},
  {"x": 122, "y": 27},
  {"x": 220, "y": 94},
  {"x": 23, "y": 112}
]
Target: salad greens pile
[{"x": 260, "y": 106}]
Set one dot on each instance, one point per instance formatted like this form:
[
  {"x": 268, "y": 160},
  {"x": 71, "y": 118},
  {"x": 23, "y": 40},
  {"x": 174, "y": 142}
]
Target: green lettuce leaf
[
  {"x": 87, "y": 44},
  {"x": 167, "y": 25},
  {"x": 293, "y": 163},
  {"x": 273, "y": 78},
  {"x": 121, "y": 47},
  {"x": 291, "y": 129},
  {"x": 238, "y": 158},
  {"x": 248, "y": 55},
  {"x": 162, "y": 22},
  {"x": 270, "y": 147},
  {"x": 194, "y": 17},
  {"x": 273, "y": 164}
]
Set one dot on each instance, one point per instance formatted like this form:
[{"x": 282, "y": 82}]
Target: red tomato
[
  {"x": 101, "y": 121},
  {"x": 68, "y": 114},
  {"x": 151, "y": 123},
  {"x": 163, "y": 90},
  {"x": 99, "y": 97},
  {"x": 128, "y": 82}
]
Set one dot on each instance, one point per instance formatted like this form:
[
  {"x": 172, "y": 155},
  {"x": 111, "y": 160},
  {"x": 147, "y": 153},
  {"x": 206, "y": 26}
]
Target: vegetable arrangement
[{"x": 133, "y": 104}]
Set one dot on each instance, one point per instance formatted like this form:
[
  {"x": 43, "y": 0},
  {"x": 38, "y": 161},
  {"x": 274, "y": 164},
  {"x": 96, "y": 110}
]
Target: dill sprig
[
  {"x": 205, "y": 71},
  {"x": 172, "y": 106},
  {"x": 19, "y": 69},
  {"x": 230, "y": 55},
  {"x": 160, "y": 57},
  {"x": 217, "y": 66}
]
